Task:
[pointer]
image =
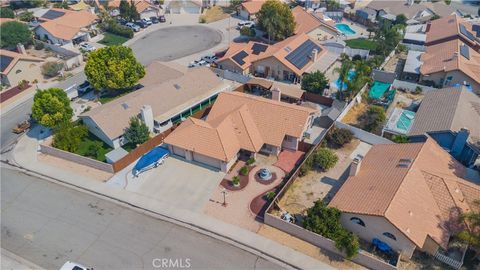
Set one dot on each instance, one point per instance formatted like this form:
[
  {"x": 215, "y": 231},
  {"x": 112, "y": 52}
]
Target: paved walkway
[
  {"x": 238, "y": 211},
  {"x": 25, "y": 155},
  {"x": 10, "y": 261}
]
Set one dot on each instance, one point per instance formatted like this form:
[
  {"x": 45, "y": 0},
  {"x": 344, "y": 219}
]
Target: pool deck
[{"x": 360, "y": 30}]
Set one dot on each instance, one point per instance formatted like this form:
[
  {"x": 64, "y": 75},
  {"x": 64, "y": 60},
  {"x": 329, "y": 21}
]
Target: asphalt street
[
  {"x": 165, "y": 44},
  {"x": 49, "y": 224}
]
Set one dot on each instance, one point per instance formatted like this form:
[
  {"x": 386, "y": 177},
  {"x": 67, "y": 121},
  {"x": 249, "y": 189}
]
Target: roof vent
[
  {"x": 404, "y": 162},
  {"x": 125, "y": 105},
  {"x": 177, "y": 86}
]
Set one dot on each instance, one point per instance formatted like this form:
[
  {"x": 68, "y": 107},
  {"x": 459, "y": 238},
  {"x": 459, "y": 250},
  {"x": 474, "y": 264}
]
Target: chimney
[
  {"x": 21, "y": 48},
  {"x": 276, "y": 94},
  {"x": 147, "y": 116},
  {"x": 314, "y": 55},
  {"x": 459, "y": 142},
  {"x": 355, "y": 166}
]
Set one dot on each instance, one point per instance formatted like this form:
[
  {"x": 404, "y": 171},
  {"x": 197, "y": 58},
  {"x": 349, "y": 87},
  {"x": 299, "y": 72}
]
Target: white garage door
[
  {"x": 178, "y": 151},
  {"x": 215, "y": 163}
]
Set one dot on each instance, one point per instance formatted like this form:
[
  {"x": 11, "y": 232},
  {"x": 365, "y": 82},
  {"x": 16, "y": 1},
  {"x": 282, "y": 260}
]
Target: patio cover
[
  {"x": 413, "y": 63},
  {"x": 260, "y": 82}
]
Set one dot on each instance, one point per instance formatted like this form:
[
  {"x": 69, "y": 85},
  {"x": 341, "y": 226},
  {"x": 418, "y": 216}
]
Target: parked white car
[
  {"x": 87, "y": 47},
  {"x": 198, "y": 63},
  {"x": 147, "y": 21},
  {"x": 243, "y": 24},
  {"x": 133, "y": 26},
  {"x": 74, "y": 266}
]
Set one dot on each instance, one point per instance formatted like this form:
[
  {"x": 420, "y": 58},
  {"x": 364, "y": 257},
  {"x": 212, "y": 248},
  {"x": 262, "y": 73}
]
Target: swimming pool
[{"x": 345, "y": 29}]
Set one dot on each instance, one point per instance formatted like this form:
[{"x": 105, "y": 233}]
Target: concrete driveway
[
  {"x": 175, "y": 42},
  {"x": 179, "y": 183}
]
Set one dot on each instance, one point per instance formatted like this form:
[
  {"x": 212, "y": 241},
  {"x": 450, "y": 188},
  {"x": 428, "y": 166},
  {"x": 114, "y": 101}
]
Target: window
[
  {"x": 389, "y": 235},
  {"x": 357, "y": 221}
]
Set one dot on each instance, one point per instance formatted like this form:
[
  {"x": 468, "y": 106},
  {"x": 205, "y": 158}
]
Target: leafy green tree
[
  {"x": 124, "y": 9},
  {"x": 133, "y": 13},
  {"x": 325, "y": 159},
  {"x": 332, "y": 5},
  {"x": 315, "y": 82},
  {"x": 373, "y": 118},
  {"x": 401, "y": 19},
  {"x": 471, "y": 235},
  {"x": 276, "y": 19},
  {"x": 12, "y": 33},
  {"x": 340, "y": 136},
  {"x": 94, "y": 149},
  {"x": 387, "y": 37},
  {"x": 68, "y": 136},
  {"x": 325, "y": 221},
  {"x": 62, "y": 4},
  {"x": 235, "y": 3},
  {"x": 6, "y": 13},
  {"x": 343, "y": 72},
  {"x": 113, "y": 68},
  {"x": 51, "y": 107},
  {"x": 137, "y": 132}
]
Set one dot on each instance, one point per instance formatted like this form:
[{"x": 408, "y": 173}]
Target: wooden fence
[{"x": 318, "y": 99}]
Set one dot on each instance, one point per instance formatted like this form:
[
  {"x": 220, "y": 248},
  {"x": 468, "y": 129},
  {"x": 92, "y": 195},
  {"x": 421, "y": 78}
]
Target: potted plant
[
  {"x": 250, "y": 161},
  {"x": 236, "y": 181}
]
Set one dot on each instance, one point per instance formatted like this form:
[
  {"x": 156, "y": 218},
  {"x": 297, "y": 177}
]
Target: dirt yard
[
  {"x": 213, "y": 14},
  {"x": 321, "y": 185},
  {"x": 352, "y": 117}
]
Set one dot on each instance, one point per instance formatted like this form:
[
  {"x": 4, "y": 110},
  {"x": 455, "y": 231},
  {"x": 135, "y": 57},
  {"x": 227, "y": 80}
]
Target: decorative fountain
[{"x": 264, "y": 174}]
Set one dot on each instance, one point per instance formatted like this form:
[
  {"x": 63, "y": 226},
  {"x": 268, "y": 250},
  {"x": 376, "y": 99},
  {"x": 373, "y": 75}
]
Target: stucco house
[
  {"x": 408, "y": 196},
  {"x": 315, "y": 24},
  {"x": 15, "y": 67},
  {"x": 452, "y": 55},
  {"x": 451, "y": 116},
  {"x": 240, "y": 124},
  {"x": 248, "y": 9},
  {"x": 170, "y": 94},
  {"x": 66, "y": 27},
  {"x": 286, "y": 60},
  {"x": 145, "y": 8}
]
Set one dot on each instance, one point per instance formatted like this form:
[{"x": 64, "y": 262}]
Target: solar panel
[
  {"x": 464, "y": 51},
  {"x": 53, "y": 14},
  {"x": 466, "y": 33},
  {"x": 301, "y": 55},
  {"x": 4, "y": 62},
  {"x": 258, "y": 48},
  {"x": 476, "y": 28},
  {"x": 239, "y": 57}
]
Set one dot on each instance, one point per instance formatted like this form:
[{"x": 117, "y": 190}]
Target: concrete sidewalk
[
  {"x": 25, "y": 156},
  {"x": 11, "y": 261}
]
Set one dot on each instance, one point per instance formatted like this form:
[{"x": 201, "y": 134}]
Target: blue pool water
[
  {"x": 341, "y": 85},
  {"x": 345, "y": 29}
]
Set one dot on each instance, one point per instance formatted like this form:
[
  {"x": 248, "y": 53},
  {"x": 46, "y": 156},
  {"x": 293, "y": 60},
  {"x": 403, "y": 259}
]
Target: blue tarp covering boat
[{"x": 151, "y": 159}]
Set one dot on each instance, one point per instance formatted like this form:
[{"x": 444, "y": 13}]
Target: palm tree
[{"x": 343, "y": 72}]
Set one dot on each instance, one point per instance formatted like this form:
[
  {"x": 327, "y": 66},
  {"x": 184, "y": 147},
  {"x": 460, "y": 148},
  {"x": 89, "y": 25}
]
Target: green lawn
[
  {"x": 112, "y": 39},
  {"x": 114, "y": 94},
  {"x": 90, "y": 139},
  {"x": 361, "y": 43}
]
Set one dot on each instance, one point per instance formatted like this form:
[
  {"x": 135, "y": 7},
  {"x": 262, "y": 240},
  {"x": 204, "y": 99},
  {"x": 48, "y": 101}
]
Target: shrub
[
  {"x": 23, "y": 84},
  {"x": 51, "y": 69},
  {"x": 250, "y": 161},
  {"x": 93, "y": 149},
  {"x": 340, "y": 136},
  {"x": 325, "y": 159},
  {"x": 400, "y": 138},
  {"x": 373, "y": 118},
  {"x": 202, "y": 19},
  {"x": 356, "y": 57},
  {"x": 306, "y": 167},
  {"x": 6, "y": 12},
  {"x": 247, "y": 31},
  {"x": 39, "y": 46},
  {"x": 270, "y": 195},
  {"x": 325, "y": 221},
  {"x": 243, "y": 170},
  {"x": 236, "y": 180},
  {"x": 26, "y": 16},
  {"x": 418, "y": 90},
  {"x": 113, "y": 27},
  {"x": 68, "y": 136}
]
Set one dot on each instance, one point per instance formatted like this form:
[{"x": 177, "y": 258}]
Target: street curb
[
  {"x": 24, "y": 262},
  {"x": 188, "y": 225}
]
